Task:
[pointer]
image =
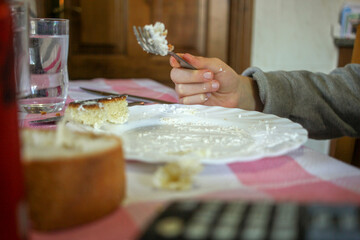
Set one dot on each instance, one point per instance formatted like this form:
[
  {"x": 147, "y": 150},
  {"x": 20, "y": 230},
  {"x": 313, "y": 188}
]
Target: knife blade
[
  {"x": 47, "y": 120},
  {"x": 133, "y": 97}
]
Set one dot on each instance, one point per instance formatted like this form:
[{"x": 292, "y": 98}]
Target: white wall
[{"x": 296, "y": 35}]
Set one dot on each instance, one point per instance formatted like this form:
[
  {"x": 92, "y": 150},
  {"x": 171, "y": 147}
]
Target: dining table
[{"x": 300, "y": 175}]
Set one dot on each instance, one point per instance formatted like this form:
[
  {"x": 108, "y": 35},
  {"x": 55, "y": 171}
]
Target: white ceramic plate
[{"x": 214, "y": 135}]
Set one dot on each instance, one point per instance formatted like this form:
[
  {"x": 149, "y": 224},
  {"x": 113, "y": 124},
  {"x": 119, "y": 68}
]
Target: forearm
[{"x": 327, "y": 105}]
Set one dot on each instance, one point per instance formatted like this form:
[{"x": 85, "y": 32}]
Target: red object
[{"x": 11, "y": 176}]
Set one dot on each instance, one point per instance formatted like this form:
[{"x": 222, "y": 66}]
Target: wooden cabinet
[{"x": 102, "y": 43}]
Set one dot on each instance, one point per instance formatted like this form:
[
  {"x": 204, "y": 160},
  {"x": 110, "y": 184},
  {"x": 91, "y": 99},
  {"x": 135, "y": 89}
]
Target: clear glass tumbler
[
  {"x": 48, "y": 53},
  {"x": 20, "y": 22}
]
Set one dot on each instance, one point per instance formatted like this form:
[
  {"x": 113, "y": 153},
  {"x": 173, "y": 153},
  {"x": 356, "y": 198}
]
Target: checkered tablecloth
[{"x": 302, "y": 175}]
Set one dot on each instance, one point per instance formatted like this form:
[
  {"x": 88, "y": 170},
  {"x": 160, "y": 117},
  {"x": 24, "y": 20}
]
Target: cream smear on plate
[{"x": 166, "y": 133}]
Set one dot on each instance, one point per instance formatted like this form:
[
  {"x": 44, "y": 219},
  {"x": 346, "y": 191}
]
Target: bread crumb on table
[{"x": 177, "y": 175}]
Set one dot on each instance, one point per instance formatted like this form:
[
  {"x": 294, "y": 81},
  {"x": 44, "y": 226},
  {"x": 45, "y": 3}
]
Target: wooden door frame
[{"x": 240, "y": 34}]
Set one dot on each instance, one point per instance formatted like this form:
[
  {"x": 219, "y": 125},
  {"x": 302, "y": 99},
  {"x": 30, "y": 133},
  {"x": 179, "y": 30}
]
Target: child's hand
[{"x": 213, "y": 84}]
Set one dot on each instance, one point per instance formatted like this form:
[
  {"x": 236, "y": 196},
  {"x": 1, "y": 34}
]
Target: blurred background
[{"x": 270, "y": 34}]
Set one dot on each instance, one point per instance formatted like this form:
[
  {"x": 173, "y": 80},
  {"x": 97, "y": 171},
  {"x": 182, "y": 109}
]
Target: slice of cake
[
  {"x": 98, "y": 112},
  {"x": 73, "y": 181}
]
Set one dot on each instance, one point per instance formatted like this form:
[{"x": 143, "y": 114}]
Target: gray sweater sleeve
[{"x": 327, "y": 105}]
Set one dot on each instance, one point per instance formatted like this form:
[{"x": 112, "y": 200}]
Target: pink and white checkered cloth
[{"x": 302, "y": 175}]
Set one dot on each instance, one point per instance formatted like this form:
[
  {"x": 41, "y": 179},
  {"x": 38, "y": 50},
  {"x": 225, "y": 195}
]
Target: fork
[{"x": 143, "y": 37}]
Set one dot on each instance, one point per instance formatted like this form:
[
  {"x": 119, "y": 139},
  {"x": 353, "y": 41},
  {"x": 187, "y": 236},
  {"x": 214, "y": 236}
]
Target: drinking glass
[
  {"x": 20, "y": 21},
  {"x": 48, "y": 53}
]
